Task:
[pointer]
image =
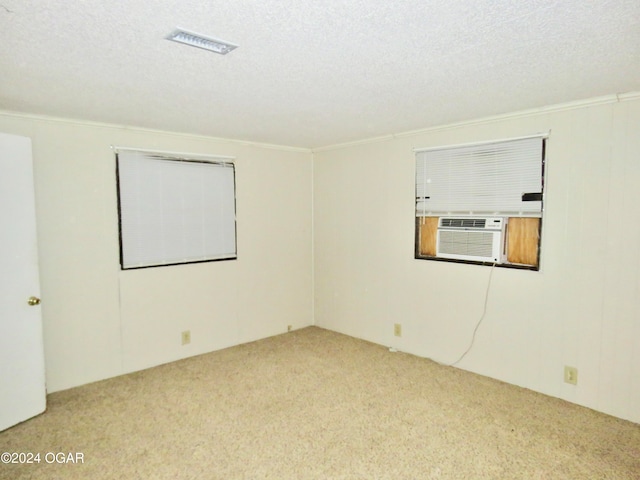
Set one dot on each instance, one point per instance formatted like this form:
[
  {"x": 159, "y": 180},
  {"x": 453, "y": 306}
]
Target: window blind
[
  {"x": 496, "y": 178},
  {"x": 174, "y": 210}
]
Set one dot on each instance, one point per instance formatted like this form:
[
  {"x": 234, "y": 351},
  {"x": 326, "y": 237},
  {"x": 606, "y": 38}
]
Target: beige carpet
[{"x": 314, "y": 404}]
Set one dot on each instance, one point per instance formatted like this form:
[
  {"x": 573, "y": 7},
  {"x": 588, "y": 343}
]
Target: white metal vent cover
[{"x": 198, "y": 40}]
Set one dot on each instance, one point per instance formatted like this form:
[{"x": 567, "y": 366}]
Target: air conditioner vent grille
[
  {"x": 464, "y": 222},
  {"x": 459, "y": 243}
]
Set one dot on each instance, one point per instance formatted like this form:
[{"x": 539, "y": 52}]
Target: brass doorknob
[{"x": 33, "y": 301}]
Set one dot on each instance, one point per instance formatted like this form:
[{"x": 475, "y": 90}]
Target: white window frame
[{"x": 501, "y": 182}]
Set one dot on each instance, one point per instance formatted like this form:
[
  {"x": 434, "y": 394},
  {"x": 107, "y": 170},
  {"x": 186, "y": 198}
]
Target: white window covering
[
  {"x": 488, "y": 178},
  {"x": 174, "y": 210}
]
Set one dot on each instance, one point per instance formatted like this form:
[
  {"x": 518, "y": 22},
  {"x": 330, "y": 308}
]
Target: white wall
[
  {"x": 581, "y": 309},
  {"x": 101, "y": 322}
]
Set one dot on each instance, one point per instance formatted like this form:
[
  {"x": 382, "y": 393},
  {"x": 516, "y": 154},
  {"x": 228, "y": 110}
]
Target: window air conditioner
[{"x": 471, "y": 238}]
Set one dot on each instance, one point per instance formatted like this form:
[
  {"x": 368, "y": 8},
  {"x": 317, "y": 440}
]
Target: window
[
  {"x": 174, "y": 208},
  {"x": 481, "y": 203}
]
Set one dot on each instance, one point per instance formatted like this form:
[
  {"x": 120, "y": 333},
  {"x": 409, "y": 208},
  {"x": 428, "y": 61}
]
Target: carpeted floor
[{"x": 314, "y": 404}]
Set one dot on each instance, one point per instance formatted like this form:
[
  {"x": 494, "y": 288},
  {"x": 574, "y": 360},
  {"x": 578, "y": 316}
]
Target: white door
[{"x": 22, "y": 381}]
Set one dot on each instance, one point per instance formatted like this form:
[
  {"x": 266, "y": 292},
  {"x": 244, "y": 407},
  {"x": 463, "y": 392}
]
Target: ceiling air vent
[{"x": 201, "y": 41}]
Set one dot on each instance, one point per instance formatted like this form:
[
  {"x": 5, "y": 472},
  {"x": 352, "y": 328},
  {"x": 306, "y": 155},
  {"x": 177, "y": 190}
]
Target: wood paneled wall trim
[
  {"x": 427, "y": 231},
  {"x": 523, "y": 239}
]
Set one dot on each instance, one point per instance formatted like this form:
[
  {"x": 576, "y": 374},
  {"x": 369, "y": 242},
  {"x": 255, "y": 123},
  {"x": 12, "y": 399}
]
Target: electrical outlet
[
  {"x": 571, "y": 375},
  {"x": 397, "y": 329},
  {"x": 186, "y": 337},
  {"x": 289, "y": 328}
]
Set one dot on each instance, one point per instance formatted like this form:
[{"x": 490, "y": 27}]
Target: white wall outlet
[
  {"x": 186, "y": 337},
  {"x": 397, "y": 329},
  {"x": 571, "y": 375}
]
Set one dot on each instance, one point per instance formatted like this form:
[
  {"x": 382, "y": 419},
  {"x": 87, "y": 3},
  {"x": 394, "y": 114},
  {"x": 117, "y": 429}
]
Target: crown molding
[
  {"x": 590, "y": 102},
  {"x": 88, "y": 123}
]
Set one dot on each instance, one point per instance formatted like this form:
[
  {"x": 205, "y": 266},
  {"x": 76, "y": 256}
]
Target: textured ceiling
[{"x": 311, "y": 73}]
